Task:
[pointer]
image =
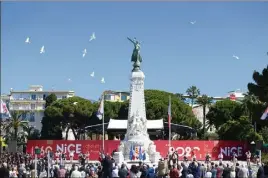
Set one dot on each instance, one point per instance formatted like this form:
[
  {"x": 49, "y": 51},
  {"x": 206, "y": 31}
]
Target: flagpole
[
  {"x": 103, "y": 133},
  {"x": 169, "y": 127}
]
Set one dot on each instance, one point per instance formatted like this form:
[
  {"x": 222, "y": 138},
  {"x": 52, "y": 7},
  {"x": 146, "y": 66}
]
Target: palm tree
[
  {"x": 15, "y": 122},
  {"x": 249, "y": 102},
  {"x": 193, "y": 93},
  {"x": 180, "y": 96},
  {"x": 204, "y": 101}
]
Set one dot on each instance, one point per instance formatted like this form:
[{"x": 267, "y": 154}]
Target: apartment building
[
  {"x": 33, "y": 101},
  {"x": 116, "y": 96}
]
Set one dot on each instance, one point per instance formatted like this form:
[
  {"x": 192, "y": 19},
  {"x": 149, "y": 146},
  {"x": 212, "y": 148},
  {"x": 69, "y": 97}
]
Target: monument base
[{"x": 118, "y": 157}]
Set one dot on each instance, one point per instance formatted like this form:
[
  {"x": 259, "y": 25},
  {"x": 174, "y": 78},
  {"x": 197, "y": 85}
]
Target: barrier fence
[{"x": 184, "y": 147}]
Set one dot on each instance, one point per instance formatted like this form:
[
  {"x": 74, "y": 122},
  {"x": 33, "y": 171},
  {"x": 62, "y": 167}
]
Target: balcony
[
  {"x": 27, "y": 108},
  {"x": 18, "y": 100}
]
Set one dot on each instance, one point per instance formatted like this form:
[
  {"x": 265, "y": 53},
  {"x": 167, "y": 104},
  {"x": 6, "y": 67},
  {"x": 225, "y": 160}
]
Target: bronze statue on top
[{"x": 136, "y": 57}]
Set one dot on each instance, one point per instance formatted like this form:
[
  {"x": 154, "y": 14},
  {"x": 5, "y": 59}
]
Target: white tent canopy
[{"x": 122, "y": 124}]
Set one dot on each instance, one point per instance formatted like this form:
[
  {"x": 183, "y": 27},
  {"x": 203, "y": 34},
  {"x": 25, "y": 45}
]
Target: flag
[
  {"x": 131, "y": 152},
  {"x": 265, "y": 114},
  {"x": 140, "y": 154},
  {"x": 101, "y": 109},
  {"x": 4, "y": 113},
  {"x": 144, "y": 156},
  {"x": 169, "y": 112}
]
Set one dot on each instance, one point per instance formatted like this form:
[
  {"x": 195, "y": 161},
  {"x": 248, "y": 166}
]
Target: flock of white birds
[{"x": 84, "y": 52}]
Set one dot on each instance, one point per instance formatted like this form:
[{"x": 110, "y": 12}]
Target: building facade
[
  {"x": 33, "y": 101},
  {"x": 116, "y": 96}
]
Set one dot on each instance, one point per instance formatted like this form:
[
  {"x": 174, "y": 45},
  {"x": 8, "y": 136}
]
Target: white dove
[
  {"x": 92, "y": 74},
  {"x": 234, "y": 56},
  {"x": 42, "y": 50},
  {"x": 84, "y": 52},
  {"x": 92, "y": 37},
  {"x": 69, "y": 80},
  {"x": 102, "y": 80},
  {"x": 27, "y": 40},
  {"x": 193, "y": 22},
  {"x": 75, "y": 103}
]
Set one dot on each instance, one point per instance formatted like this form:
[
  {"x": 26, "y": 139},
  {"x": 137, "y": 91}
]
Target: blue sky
[{"x": 176, "y": 54}]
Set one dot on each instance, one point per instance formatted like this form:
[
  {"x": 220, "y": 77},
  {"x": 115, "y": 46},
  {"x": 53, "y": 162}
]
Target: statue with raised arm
[{"x": 136, "y": 57}]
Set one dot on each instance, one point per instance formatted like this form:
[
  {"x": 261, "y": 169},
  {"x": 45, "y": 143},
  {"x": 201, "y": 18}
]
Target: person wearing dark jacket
[
  {"x": 260, "y": 173},
  {"x": 226, "y": 172},
  {"x": 184, "y": 171},
  {"x": 123, "y": 172},
  {"x": 107, "y": 167},
  {"x": 265, "y": 170},
  {"x": 237, "y": 169},
  {"x": 4, "y": 172}
]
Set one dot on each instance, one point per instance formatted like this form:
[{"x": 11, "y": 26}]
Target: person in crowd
[
  {"x": 226, "y": 171},
  {"x": 4, "y": 172},
  {"x": 232, "y": 173},
  {"x": 115, "y": 172},
  {"x": 174, "y": 173},
  {"x": 61, "y": 172},
  {"x": 76, "y": 173},
  {"x": 214, "y": 170},
  {"x": 123, "y": 171},
  {"x": 265, "y": 169},
  {"x": 184, "y": 171},
  {"x": 243, "y": 172},
  {"x": 162, "y": 168},
  {"x": 134, "y": 172},
  {"x": 151, "y": 172}
]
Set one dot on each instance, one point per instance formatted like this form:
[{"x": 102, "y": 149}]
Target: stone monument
[{"x": 137, "y": 145}]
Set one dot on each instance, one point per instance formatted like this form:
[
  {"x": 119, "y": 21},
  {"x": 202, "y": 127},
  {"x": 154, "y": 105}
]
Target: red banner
[{"x": 200, "y": 148}]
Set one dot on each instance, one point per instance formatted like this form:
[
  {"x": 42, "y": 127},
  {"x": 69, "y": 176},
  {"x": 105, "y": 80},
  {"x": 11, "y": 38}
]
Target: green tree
[
  {"x": 157, "y": 107},
  {"x": 193, "y": 93},
  {"x": 260, "y": 86},
  {"x": 180, "y": 96},
  {"x": 50, "y": 99},
  {"x": 250, "y": 103},
  {"x": 71, "y": 113},
  {"x": 205, "y": 102},
  {"x": 241, "y": 127},
  {"x": 264, "y": 134},
  {"x": 223, "y": 111}
]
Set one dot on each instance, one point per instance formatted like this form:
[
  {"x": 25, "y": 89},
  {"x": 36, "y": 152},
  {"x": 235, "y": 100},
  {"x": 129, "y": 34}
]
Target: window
[
  {"x": 24, "y": 117},
  {"x": 33, "y": 97},
  {"x": 63, "y": 97},
  {"x": 108, "y": 97},
  {"x": 44, "y": 106},
  {"x": 32, "y": 106},
  {"x": 32, "y": 118},
  {"x": 44, "y": 96},
  {"x": 123, "y": 97}
]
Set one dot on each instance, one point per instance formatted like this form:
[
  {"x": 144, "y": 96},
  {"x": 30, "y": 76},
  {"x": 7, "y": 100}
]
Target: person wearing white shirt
[
  {"x": 71, "y": 155},
  {"x": 115, "y": 172},
  {"x": 220, "y": 157},
  {"x": 208, "y": 174},
  {"x": 232, "y": 173},
  {"x": 76, "y": 173}
]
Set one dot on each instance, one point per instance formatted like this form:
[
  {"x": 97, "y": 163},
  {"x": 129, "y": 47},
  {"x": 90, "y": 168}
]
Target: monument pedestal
[{"x": 118, "y": 157}]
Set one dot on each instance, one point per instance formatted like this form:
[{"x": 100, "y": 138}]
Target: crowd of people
[{"x": 19, "y": 165}]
